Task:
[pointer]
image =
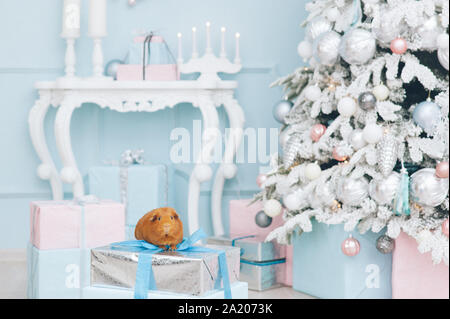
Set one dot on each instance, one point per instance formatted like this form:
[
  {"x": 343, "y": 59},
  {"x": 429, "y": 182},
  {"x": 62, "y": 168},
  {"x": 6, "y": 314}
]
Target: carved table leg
[
  {"x": 227, "y": 169},
  {"x": 70, "y": 173},
  {"x": 202, "y": 171},
  {"x": 47, "y": 170}
]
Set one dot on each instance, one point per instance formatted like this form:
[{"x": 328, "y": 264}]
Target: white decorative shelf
[{"x": 139, "y": 96}]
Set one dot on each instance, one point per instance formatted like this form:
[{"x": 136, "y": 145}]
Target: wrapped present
[
  {"x": 322, "y": 270},
  {"x": 58, "y": 224},
  {"x": 262, "y": 263},
  {"x": 242, "y": 221},
  {"x": 413, "y": 274},
  {"x": 57, "y": 274},
  {"x": 141, "y": 188},
  {"x": 191, "y": 269},
  {"x": 150, "y": 59},
  {"x": 239, "y": 290}
]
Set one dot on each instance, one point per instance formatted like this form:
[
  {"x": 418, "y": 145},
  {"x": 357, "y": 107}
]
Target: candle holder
[
  {"x": 97, "y": 61},
  {"x": 209, "y": 65}
]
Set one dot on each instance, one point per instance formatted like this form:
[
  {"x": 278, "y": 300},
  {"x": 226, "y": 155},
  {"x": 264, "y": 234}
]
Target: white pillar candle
[
  {"x": 180, "y": 49},
  {"x": 194, "y": 43},
  {"x": 97, "y": 18},
  {"x": 222, "y": 44},
  {"x": 71, "y": 19},
  {"x": 208, "y": 36},
  {"x": 237, "y": 59}
]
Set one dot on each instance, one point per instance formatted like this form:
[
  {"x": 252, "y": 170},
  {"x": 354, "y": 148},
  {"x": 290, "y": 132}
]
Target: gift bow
[
  {"x": 132, "y": 157},
  {"x": 145, "y": 279}
]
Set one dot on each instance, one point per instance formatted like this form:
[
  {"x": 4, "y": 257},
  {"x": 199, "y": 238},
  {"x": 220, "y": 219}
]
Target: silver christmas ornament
[
  {"x": 383, "y": 191},
  {"x": 427, "y": 115},
  {"x": 429, "y": 31},
  {"x": 262, "y": 220},
  {"x": 326, "y": 48},
  {"x": 367, "y": 101},
  {"x": 352, "y": 191},
  {"x": 387, "y": 154},
  {"x": 281, "y": 110},
  {"x": 428, "y": 189},
  {"x": 385, "y": 244},
  {"x": 111, "y": 68},
  {"x": 291, "y": 150},
  {"x": 357, "y": 46},
  {"x": 316, "y": 27}
]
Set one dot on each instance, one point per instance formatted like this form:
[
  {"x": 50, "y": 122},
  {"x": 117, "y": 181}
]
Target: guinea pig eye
[
  {"x": 159, "y": 218},
  {"x": 171, "y": 217}
]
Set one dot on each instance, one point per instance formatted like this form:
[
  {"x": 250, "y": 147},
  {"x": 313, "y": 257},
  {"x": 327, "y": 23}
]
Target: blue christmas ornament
[
  {"x": 401, "y": 203},
  {"x": 427, "y": 115}
]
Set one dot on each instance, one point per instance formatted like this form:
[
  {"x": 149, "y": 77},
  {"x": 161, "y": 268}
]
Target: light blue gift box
[
  {"x": 146, "y": 189},
  {"x": 57, "y": 274},
  {"x": 239, "y": 290},
  {"x": 320, "y": 268}
]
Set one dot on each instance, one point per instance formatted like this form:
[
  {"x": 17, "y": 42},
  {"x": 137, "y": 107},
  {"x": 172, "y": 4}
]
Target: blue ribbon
[
  {"x": 145, "y": 279},
  {"x": 263, "y": 263}
]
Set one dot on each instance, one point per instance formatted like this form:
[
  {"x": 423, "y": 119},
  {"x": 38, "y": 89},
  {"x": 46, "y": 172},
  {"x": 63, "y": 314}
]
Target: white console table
[{"x": 140, "y": 96}]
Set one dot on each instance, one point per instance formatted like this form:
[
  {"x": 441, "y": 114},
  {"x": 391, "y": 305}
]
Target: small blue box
[
  {"x": 321, "y": 269},
  {"x": 146, "y": 190},
  {"x": 239, "y": 290},
  {"x": 57, "y": 274}
]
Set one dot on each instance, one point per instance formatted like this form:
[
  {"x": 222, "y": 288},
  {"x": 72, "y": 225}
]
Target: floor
[{"x": 13, "y": 280}]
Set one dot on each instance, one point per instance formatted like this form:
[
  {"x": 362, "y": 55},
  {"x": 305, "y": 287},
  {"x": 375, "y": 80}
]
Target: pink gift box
[
  {"x": 57, "y": 224},
  {"x": 242, "y": 222},
  {"x": 413, "y": 274},
  {"x": 153, "y": 72}
]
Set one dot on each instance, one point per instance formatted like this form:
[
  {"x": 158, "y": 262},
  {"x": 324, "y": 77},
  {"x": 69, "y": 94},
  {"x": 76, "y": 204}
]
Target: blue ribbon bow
[{"x": 145, "y": 279}]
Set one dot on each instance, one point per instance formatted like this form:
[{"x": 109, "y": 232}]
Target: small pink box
[
  {"x": 242, "y": 222},
  {"x": 413, "y": 274},
  {"x": 57, "y": 224},
  {"x": 153, "y": 72}
]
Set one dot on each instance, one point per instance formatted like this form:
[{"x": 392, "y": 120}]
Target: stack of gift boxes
[{"x": 78, "y": 248}]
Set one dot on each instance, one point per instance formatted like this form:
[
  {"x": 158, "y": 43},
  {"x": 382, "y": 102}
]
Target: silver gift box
[
  {"x": 252, "y": 248},
  {"x": 262, "y": 276},
  {"x": 185, "y": 272}
]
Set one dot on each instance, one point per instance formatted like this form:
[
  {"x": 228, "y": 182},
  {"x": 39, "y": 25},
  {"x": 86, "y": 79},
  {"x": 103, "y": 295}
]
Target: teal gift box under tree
[
  {"x": 144, "y": 189},
  {"x": 322, "y": 270}
]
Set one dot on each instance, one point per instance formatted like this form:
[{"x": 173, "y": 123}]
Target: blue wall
[{"x": 31, "y": 50}]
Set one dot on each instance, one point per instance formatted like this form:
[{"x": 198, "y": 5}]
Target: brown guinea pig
[{"x": 161, "y": 227}]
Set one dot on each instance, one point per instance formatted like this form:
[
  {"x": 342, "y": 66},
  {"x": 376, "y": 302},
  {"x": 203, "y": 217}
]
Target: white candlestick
[
  {"x": 180, "y": 50},
  {"x": 194, "y": 43},
  {"x": 223, "y": 53},
  {"x": 237, "y": 59},
  {"x": 208, "y": 37},
  {"x": 71, "y": 19},
  {"x": 97, "y": 18}
]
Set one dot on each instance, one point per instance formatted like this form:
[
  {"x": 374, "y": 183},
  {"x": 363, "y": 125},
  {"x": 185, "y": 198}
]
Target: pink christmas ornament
[
  {"x": 442, "y": 170},
  {"x": 317, "y": 131},
  {"x": 445, "y": 228},
  {"x": 350, "y": 247},
  {"x": 399, "y": 46},
  {"x": 337, "y": 156},
  {"x": 261, "y": 179}
]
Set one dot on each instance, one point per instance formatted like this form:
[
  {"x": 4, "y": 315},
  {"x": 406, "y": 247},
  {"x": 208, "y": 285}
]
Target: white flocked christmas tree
[{"x": 366, "y": 141}]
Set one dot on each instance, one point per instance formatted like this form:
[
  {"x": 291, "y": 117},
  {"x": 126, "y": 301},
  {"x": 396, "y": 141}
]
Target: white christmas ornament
[
  {"x": 332, "y": 14},
  {"x": 272, "y": 208},
  {"x": 443, "y": 50},
  {"x": 381, "y": 92},
  {"x": 305, "y": 50},
  {"x": 347, "y": 106},
  {"x": 386, "y": 31},
  {"x": 316, "y": 27},
  {"x": 312, "y": 93},
  {"x": 312, "y": 171},
  {"x": 428, "y": 189},
  {"x": 429, "y": 32},
  {"x": 357, "y": 139},
  {"x": 326, "y": 48},
  {"x": 352, "y": 191},
  {"x": 293, "y": 201},
  {"x": 383, "y": 191},
  {"x": 372, "y": 133},
  {"x": 357, "y": 46}
]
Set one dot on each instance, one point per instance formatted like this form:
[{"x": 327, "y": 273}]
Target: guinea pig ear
[{"x": 154, "y": 218}]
